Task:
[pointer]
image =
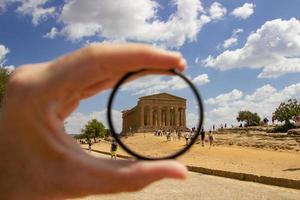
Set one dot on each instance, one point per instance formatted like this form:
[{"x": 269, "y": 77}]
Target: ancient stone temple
[{"x": 162, "y": 111}]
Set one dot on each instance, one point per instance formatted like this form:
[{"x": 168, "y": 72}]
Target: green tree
[
  {"x": 4, "y": 76},
  {"x": 287, "y": 111},
  {"x": 251, "y": 119},
  {"x": 93, "y": 129}
]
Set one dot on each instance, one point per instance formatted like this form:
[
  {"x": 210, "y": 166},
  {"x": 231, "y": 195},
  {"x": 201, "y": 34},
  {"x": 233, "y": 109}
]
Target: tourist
[
  {"x": 214, "y": 127},
  {"x": 187, "y": 137},
  {"x": 193, "y": 129},
  {"x": 130, "y": 130},
  {"x": 265, "y": 121},
  {"x": 211, "y": 139},
  {"x": 113, "y": 150},
  {"x": 225, "y": 126},
  {"x": 168, "y": 134},
  {"x": 202, "y": 136},
  {"x": 90, "y": 145}
]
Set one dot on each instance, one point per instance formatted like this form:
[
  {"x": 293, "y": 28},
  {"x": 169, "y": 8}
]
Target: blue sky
[{"x": 246, "y": 53}]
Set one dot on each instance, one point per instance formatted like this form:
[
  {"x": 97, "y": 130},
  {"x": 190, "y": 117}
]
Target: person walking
[
  {"x": 168, "y": 134},
  {"x": 187, "y": 137},
  {"x": 90, "y": 145},
  {"x": 211, "y": 139},
  {"x": 113, "y": 150},
  {"x": 202, "y": 135}
]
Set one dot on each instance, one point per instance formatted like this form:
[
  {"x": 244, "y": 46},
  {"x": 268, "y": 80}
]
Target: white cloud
[
  {"x": 230, "y": 42},
  {"x": 78, "y": 120},
  {"x": 3, "y": 52},
  {"x": 132, "y": 20},
  {"x": 34, "y": 8},
  {"x": 263, "y": 100},
  {"x": 237, "y": 31},
  {"x": 275, "y": 48},
  {"x": 244, "y": 11},
  {"x": 156, "y": 84},
  {"x": 192, "y": 120},
  {"x": 10, "y": 68},
  {"x": 5, "y": 3},
  {"x": 225, "y": 98},
  {"x": 217, "y": 11},
  {"x": 2, "y": 5},
  {"x": 233, "y": 40},
  {"x": 261, "y": 93},
  {"x": 52, "y": 34},
  {"x": 201, "y": 79}
]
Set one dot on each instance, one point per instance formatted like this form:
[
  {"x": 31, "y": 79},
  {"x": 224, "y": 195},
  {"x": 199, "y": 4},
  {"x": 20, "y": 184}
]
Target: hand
[{"x": 38, "y": 160}]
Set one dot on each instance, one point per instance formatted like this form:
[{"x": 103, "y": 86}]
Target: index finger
[{"x": 99, "y": 62}]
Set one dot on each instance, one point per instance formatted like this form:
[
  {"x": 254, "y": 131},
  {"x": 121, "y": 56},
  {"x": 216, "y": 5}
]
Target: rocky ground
[{"x": 259, "y": 138}]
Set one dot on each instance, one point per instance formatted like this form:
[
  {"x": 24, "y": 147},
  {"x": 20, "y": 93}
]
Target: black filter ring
[{"x": 133, "y": 153}]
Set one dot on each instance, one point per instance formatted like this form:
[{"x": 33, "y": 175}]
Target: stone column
[
  {"x": 151, "y": 116},
  {"x": 184, "y": 118},
  {"x": 148, "y": 115},
  {"x": 163, "y": 117},
  {"x": 176, "y": 117},
  {"x": 159, "y": 116},
  {"x": 142, "y": 116},
  {"x": 168, "y": 116},
  {"x": 155, "y": 116},
  {"x": 181, "y": 116}
]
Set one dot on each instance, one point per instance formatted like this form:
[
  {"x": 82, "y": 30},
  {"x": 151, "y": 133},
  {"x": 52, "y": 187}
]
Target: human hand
[{"x": 38, "y": 160}]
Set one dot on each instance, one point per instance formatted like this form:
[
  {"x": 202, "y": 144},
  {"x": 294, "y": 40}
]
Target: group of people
[
  {"x": 210, "y": 138},
  {"x": 177, "y": 134}
]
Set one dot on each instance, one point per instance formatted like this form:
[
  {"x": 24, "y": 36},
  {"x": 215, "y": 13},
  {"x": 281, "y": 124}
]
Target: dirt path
[{"x": 229, "y": 158}]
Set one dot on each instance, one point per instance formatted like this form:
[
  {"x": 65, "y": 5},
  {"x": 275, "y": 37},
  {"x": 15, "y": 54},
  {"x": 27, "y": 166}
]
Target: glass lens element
[{"x": 155, "y": 116}]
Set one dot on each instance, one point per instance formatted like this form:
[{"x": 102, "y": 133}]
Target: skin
[{"x": 38, "y": 160}]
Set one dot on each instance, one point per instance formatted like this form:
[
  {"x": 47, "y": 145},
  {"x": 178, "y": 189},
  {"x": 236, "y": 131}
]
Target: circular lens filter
[{"x": 155, "y": 116}]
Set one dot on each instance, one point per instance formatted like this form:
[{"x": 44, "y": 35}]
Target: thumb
[
  {"x": 101, "y": 176},
  {"x": 141, "y": 174}
]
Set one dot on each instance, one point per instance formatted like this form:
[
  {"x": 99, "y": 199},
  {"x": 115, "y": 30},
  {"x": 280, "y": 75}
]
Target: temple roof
[{"x": 163, "y": 95}]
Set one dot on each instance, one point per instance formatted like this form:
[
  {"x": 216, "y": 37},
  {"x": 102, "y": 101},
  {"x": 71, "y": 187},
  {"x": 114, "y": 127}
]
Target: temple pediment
[{"x": 162, "y": 96}]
